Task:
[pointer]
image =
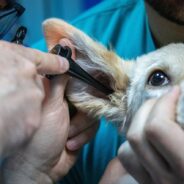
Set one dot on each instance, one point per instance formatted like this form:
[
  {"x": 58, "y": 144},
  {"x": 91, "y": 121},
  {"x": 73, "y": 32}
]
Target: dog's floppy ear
[{"x": 104, "y": 65}]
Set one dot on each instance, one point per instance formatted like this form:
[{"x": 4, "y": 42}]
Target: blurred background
[{"x": 39, "y": 10}]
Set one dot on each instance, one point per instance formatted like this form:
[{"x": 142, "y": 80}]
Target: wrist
[
  {"x": 16, "y": 177},
  {"x": 2, "y": 138},
  {"x": 17, "y": 171}
]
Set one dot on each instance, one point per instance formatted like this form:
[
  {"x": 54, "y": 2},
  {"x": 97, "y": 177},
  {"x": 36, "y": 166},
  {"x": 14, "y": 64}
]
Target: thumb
[
  {"x": 58, "y": 85},
  {"x": 167, "y": 104},
  {"x": 57, "y": 88}
]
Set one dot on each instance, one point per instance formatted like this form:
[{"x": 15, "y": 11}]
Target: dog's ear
[{"x": 101, "y": 63}]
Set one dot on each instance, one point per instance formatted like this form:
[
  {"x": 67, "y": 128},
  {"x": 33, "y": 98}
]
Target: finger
[
  {"x": 80, "y": 122},
  {"x": 67, "y": 160},
  {"x": 45, "y": 63},
  {"x": 77, "y": 142},
  {"x": 168, "y": 140},
  {"x": 159, "y": 131},
  {"x": 148, "y": 156},
  {"x": 166, "y": 105},
  {"x": 169, "y": 143},
  {"x": 138, "y": 123},
  {"x": 55, "y": 91},
  {"x": 27, "y": 72},
  {"x": 132, "y": 164}
]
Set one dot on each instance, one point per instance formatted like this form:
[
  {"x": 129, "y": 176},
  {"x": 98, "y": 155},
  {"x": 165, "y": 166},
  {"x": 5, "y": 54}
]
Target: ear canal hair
[{"x": 101, "y": 63}]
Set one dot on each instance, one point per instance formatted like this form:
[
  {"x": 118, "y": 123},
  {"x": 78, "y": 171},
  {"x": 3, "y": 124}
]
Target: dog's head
[{"x": 133, "y": 82}]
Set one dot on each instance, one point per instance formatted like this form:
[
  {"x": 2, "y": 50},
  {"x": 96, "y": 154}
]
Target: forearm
[
  {"x": 3, "y": 139},
  {"x": 10, "y": 177},
  {"x": 20, "y": 172}
]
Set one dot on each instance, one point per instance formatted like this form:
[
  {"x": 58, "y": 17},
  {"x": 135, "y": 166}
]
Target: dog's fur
[{"x": 129, "y": 79}]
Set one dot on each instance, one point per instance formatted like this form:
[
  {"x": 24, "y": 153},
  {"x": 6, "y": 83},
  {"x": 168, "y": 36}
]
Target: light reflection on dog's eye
[{"x": 158, "y": 78}]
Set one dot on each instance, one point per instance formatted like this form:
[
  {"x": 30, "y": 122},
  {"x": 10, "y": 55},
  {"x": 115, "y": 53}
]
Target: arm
[{"x": 53, "y": 149}]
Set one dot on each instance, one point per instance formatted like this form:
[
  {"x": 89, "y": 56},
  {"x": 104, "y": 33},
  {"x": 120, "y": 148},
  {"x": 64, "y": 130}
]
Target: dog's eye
[{"x": 158, "y": 78}]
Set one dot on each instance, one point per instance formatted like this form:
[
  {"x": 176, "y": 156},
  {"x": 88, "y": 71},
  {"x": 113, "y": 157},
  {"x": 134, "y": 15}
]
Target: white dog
[{"x": 133, "y": 82}]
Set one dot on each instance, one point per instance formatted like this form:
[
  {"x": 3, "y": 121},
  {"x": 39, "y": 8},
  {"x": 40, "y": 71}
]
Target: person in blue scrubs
[{"x": 131, "y": 28}]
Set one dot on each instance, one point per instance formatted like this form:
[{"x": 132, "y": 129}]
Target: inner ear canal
[
  {"x": 96, "y": 72},
  {"x": 77, "y": 86},
  {"x": 103, "y": 78}
]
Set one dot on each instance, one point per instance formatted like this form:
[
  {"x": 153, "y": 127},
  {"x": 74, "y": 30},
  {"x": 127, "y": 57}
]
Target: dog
[{"x": 133, "y": 81}]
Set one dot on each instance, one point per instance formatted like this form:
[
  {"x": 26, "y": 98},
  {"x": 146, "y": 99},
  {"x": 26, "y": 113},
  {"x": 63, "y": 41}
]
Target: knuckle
[
  {"x": 32, "y": 124},
  {"x": 30, "y": 68},
  {"x": 33, "y": 116},
  {"x": 38, "y": 57},
  {"x": 125, "y": 151},
  {"x": 38, "y": 94},
  {"x": 34, "y": 97},
  {"x": 133, "y": 138},
  {"x": 4, "y": 44},
  {"x": 152, "y": 127},
  {"x": 9, "y": 46},
  {"x": 30, "y": 65}
]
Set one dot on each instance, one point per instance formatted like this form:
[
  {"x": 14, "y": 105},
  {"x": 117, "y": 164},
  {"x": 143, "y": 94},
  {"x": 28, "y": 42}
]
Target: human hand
[
  {"x": 44, "y": 158},
  {"x": 46, "y": 155},
  {"x": 82, "y": 130},
  {"x": 22, "y": 92},
  {"x": 154, "y": 151}
]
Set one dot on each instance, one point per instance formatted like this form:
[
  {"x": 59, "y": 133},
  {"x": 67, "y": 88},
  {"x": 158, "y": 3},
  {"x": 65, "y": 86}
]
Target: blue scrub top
[{"x": 123, "y": 26}]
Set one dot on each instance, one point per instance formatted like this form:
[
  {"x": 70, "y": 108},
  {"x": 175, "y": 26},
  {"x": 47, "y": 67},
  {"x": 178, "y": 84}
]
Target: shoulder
[
  {"x": 106, "y": 7},
  {"x": 117, "y": 24}
]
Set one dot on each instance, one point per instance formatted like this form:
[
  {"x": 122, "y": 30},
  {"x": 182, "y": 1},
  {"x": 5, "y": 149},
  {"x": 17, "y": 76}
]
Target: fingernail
[
  {"x": 174, "y": 93},
  {"x": 175, "y": 89},
  {"x": 64, "y": 65}
]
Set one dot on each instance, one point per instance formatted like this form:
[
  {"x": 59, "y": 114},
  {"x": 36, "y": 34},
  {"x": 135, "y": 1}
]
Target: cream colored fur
[{"x": 129, "y": 79}]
